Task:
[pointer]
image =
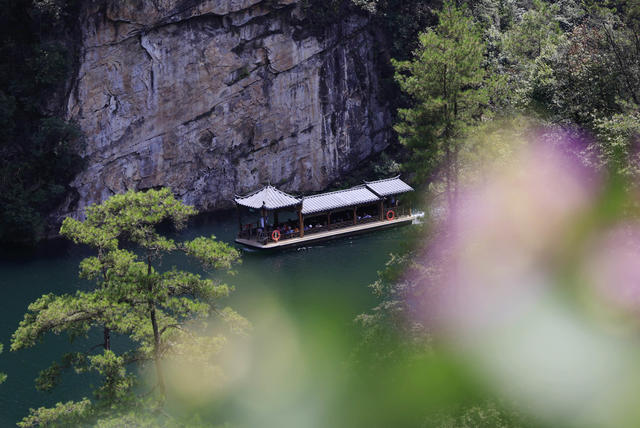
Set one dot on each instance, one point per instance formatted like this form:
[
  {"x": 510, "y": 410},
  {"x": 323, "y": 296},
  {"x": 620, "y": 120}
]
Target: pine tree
[
  {"x": 132, "y": 297},
  {"x": 447, "y": 82}
]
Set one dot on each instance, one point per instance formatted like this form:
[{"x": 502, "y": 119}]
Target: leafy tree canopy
[
  {"x": 38, "y": 149},
  {"x": 448, "y": 84},
  {"x": 165, "y": 314}
]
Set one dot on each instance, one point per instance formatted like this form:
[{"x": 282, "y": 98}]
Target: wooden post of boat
[
  {"x": 381, "y": 205},
  {"x": 301, "y": 221},
  {"x": 355, "y": 217},
  {"x": 275, "y": 219},
  {"x": 263, "y": 221},
  {"x": 239, "y": 212},
  {"x": 328, "y": 219}
]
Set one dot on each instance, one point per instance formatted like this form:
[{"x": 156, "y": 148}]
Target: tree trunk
[
  {"x": 454, "y": 162},
  {"x": 156, "y": 334},
  {"x": 301, "y": 221},
  {"x": 622, "y": 64},
  {"x": 449, "y": 178},
  {"x": 106, "y": 333},
  {"x": 447, "y": 141},
  {"x": 156, "y": 349}
]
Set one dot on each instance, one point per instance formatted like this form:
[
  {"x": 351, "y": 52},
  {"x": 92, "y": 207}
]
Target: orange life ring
[
  {"x": 391, "y": 215},
  {"x": 275, "y": 235}
]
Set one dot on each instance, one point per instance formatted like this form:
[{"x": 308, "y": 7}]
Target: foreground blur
[
  {"x": 528, "y": 298},
  {"x": 538, "y": 287}
]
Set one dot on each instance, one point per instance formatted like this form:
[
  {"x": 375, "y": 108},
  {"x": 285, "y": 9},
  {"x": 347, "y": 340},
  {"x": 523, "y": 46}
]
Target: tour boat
[{"x": 288, "y": 221}]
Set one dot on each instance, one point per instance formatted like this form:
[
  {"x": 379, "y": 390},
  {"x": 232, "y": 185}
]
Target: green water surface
[{"x": 321, "y": 285}]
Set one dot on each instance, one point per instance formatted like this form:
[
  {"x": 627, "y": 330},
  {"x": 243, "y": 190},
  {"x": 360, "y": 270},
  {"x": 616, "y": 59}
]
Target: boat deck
[{"x": 330, "y": 234}]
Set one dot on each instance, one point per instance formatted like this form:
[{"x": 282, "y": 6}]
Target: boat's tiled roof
[
  {"x": 340, "y": 199},
  {"x": 389, "y": 186},
  {"x": 272, "y": 198},
  {"x": 268, "y": 196}
]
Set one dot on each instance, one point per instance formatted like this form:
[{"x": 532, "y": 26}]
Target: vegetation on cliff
[
  {"x": 450, "y": 88},
  {"x": 38, "y": 149},
  {"x": 570, "y": 65}
]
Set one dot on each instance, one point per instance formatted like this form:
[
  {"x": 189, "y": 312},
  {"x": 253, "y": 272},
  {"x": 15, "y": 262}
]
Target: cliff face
[{"x": 217, "y": 97}]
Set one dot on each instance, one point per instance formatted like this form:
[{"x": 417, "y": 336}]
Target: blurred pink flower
[
  {"x": 613, "y": 267},
  {"x": 500, "y": 245}
]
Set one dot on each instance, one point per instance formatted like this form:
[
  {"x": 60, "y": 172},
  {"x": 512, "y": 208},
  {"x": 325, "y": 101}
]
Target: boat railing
[
  {"x": 332, "y": 226},
  {"x": 365, "y": 220},
  {"x": 265, "y": 237},
  {"x": 250, "y": 234},
  {"x": 398, "y": 211}
]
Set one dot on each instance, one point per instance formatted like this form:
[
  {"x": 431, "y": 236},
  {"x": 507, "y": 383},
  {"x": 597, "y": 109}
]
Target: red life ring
[
  {"x": 275, "y": 235},
  {"x": 391, "y": 215}
]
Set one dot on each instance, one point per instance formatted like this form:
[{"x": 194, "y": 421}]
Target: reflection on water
[{"x": 330, "y": 277}]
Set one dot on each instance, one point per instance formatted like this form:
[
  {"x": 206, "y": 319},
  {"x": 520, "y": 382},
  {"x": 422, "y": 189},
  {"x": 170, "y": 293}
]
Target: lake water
[{"x": 280, "y": 293}]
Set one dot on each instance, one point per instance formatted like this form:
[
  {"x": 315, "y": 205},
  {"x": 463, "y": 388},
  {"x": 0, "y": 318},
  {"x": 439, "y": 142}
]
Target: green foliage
[
  {"x": 570, "y": 63},
  {"x": 483, "y": 415},
  {"x": 597, "y": 70},
  {"x": 70, "y": 413},
  {"x": 617, "y": 143},
  {"x": 585, "y": 86},
  {"x": 38, "y": 149},
  {"x": 56, "y": 314},
  {"x": 387, "y": 321},
  {"x": 402, "y": 19},
  {"x": 144, "y": 420},
  {"x": 212, "y": 253},
  {"x": 564, "y": 63},
  {"x": 530, "y": 48},
  {"x": 386, "y": 166},
  {"x": 537, "y": 32},
  {"x": 323, "y": 13},
  {"x": 447, "y": 82},
  {"x": 161, "y": 312}
]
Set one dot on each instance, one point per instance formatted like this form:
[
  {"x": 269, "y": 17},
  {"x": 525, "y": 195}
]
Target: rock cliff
[{"x": 215, "y": 97}]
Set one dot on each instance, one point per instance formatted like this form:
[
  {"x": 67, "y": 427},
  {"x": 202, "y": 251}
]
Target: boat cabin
[{"x": 285, "y": 220}]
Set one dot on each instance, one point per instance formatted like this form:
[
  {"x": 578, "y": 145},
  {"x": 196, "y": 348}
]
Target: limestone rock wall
[{"x": 216, "y": 97}]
